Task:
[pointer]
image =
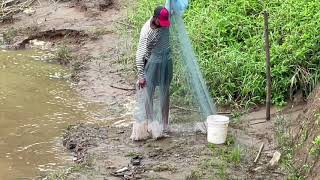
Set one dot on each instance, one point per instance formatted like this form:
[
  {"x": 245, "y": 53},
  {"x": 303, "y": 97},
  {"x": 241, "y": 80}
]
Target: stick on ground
[
  {"x": 259, "y": 153},
  {"x": 182, "y": 108},
  {"x": 124, "y": 89},
  {"x": 193, "y": 110}
]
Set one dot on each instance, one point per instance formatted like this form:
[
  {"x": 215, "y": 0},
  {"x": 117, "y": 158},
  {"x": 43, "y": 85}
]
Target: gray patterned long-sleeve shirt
[{"x": 148, "y": 39}]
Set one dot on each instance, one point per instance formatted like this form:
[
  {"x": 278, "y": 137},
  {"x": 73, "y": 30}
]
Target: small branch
[
  {"x": 121, "y": 88},
  {"x": 254, "y": 119},
  {"x": 185, "y": 109},
  {"x": 259, "y": 153},
  {"x": 226, "y": 113},
  {"x": 39, "y": 2},
  {"x": 258, "y": 122}
]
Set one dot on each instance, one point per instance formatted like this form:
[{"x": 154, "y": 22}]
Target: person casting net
[{"x": 164, "y": 48}]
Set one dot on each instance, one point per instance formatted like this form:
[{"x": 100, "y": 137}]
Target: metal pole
[{"x": 268, "y": 73}]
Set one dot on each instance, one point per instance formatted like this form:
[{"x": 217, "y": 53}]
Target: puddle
[{"x": 35, "y": 106}]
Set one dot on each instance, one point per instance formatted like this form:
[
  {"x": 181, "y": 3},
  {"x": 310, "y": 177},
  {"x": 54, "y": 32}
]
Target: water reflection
[{"x": 35, "y": 106}]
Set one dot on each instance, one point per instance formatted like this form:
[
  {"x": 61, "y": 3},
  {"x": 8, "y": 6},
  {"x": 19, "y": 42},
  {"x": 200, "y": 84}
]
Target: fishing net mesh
[{"x": 172, "y": 71}]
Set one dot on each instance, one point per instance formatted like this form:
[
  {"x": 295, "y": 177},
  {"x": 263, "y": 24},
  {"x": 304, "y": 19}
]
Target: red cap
[{"x": 163, "y": 14}]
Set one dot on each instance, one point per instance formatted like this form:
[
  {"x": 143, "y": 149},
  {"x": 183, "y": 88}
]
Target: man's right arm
[{"x": 141, "y": 52}]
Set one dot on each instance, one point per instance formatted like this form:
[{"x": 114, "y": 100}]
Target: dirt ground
[
  {"x": 181, "y": 156},
  {"x": 104, "y": 148}
]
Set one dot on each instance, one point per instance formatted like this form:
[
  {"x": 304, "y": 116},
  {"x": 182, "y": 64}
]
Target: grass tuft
[{"x": 62, "y": 55}]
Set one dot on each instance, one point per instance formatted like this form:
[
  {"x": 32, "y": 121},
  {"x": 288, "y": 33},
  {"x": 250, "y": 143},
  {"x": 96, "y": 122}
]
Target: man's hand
[{"x": 142, "y": 83}]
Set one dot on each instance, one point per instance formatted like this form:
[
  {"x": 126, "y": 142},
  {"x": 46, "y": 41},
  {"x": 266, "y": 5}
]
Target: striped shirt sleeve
[
  {"x": 148, "y": 39},
  {"x": 141, "y": 52}
]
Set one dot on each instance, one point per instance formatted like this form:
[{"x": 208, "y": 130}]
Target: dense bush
[{"x": 228, "y": 39}]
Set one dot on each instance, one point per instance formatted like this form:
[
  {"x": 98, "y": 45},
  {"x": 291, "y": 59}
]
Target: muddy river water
[{"x": 36, "y": 104}]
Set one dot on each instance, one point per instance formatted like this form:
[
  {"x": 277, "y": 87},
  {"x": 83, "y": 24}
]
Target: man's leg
[
  {"x": 165, "y": 92},
  {"x": 164, "y": 103},
  {"x": 149, "y": 102}
]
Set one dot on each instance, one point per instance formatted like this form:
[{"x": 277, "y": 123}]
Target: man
[{"x": 154, "y": 64}]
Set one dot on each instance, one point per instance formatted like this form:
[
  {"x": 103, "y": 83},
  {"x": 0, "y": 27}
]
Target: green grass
[
  {"x": 224, "y": 157},
  {"x": 315, "y": 150},
  {"x": 235, "y": 155},
  {"x": 62, "y": 55},
  {"x": 228, "y": 38}
]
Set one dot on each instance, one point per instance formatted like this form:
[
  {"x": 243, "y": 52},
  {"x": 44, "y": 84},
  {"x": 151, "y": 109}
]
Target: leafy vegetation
[
  {"x": 315, "y": 150},
  {"x": 228, "y": 39}
]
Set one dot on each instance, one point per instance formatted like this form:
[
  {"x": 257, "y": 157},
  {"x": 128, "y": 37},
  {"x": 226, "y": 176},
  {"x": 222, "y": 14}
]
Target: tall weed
[{"x": 228, "y": 39}]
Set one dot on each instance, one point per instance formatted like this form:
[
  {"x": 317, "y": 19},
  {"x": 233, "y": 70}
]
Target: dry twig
[
  {"x": 259, "y": 153},
  {"x": 121, "y": 88}
]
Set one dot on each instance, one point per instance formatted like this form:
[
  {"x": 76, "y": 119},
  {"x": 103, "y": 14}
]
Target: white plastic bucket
[{"x": 217, "y": 129}]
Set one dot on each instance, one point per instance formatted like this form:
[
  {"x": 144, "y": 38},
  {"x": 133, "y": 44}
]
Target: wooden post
[{"x": 267, "y": 48}]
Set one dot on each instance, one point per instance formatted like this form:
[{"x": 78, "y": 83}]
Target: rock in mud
[
  {"x": 275, "y": 159},
  {"x": 79, "y": 138},
  {"x": 129, "y": 173},
  {"x": 104, "y": 4},
  {"x": 122, "y": 170},
  {"x": 136, "y": 160}
]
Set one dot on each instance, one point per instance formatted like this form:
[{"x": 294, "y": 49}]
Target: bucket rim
[{"x": 218, "y": 118}]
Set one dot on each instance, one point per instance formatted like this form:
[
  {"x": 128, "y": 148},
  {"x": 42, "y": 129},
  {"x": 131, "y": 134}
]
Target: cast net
[{"x": 174, "y": 80}]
